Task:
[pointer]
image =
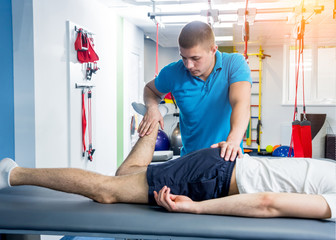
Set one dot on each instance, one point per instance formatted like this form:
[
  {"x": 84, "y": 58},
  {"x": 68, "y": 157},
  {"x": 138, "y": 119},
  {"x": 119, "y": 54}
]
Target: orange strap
[{"x": 246, "y": 32}]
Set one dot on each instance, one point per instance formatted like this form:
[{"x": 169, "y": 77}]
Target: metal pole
[
  {"x": 221, "y": 12},
  {"x": 275, "y": 10},
  {"x": 168, "y": 14},
  {"x": 271, "y": 20}
]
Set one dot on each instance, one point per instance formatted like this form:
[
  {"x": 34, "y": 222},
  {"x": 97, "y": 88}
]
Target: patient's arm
[{"x": 250, "y": 205}]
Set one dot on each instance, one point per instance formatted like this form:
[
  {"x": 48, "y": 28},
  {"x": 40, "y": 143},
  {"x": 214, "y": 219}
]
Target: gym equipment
[
  {"x": 141, "y": 108},
  {"x": 283, "y": 151},
  {"x": 269, "y": 149},
  {"x": 84, "y": 47},
  {"x": 162, "y": 141},
  {"x": 83, "y": 123},
  {"x": 86, "y": 120},
  {"x": 330, "y": 146},
  {"x": 301, "y": 139},
  {"x": 90, "y": 150},
  {"x": 249, "y": 139},
  {"x": 176, "y": 140},
  {"x": 160, "y": 156},
  {"x": 318, "y": 133},
  {"x": 248, "y": 133},
  {"x": 35, "y": 210},
  {"x": 85, "y": 53},
  {"x": 275, "y": 147}
]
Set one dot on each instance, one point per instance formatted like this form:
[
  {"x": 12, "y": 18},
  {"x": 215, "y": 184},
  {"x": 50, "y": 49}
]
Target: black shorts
[{"x": 200, "y": 175}]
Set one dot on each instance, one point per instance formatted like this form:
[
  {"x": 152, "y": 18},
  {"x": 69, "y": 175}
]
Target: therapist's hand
[
  {"x": 229, "y": 150},
  {"x": 149, "y": 121},
  {"x": 174, "y": 203}
]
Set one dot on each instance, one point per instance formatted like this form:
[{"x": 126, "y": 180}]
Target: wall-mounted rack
[
  {"x": 85, "y": 31},
  {"x": 84, "y": 85}
]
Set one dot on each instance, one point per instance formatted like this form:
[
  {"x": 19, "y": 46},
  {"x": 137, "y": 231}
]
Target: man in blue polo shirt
[{"x": 212, "y": 91}]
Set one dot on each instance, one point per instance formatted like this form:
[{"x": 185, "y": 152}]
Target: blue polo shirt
[{"x": 205, "y": 108}]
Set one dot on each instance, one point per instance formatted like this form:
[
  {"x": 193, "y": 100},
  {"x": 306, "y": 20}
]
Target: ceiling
[{"x": 272, "y": 22}]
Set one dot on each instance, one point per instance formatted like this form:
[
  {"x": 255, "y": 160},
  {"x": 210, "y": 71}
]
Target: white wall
[
  {"x": 133, "y": 78},
  {"x": 50, "y": 83},
  {"x": 51, "y": 80},
  {"x": 166, "y": 56}
]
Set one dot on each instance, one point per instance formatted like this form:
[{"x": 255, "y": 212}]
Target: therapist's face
[{"x": 199, "y": 60}]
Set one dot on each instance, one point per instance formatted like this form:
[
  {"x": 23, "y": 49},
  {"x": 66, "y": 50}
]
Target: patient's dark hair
[{"x": 196, "y": 33}]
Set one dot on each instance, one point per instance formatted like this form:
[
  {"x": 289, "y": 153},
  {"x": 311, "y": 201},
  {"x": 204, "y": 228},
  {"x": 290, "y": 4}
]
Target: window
[{"x": 319, "y": 76}]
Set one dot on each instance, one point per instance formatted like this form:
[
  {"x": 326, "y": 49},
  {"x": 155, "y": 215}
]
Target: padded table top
[{"x": 35, "y": 210}]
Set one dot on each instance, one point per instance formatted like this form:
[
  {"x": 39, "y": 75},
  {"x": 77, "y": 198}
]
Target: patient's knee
[
  {"x": 121, "y": 171},
  {"x": 105, "y": 197},
  {"x": 118, "y": 172},
  {"x": 105, "y": 191},
  {"x": 130, "y": 169}
]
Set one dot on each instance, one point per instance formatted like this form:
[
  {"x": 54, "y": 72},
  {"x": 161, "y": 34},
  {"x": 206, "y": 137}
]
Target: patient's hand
[{"x": 174, "y": 203}]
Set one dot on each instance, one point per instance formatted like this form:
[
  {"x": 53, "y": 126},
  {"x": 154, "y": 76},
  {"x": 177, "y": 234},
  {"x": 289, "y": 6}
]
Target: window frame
[{"x": 312, "y": 99}]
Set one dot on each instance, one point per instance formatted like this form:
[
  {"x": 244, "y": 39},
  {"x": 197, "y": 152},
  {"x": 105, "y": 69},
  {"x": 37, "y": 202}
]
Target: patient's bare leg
[
  {"x": 140, "y": 156},
  {"x": 130, "y": 184},
  {"x": 104, "y": 189}
]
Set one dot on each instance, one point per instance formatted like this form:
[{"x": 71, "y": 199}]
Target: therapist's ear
[{"x": 214, "y": 49}]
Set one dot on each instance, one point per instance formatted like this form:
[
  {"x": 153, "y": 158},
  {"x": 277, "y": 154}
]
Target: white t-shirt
[{"x": 292, "y": 175}]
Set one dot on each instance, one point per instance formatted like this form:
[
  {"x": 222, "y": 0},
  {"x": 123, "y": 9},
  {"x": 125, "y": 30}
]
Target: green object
[
  {"x": 269, "y": 149},
  {"x": 249, "y": 132},
  {"x": 120, "y": 91},
  {"x": 228, "y": 49}
]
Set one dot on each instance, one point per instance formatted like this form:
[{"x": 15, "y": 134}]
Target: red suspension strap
[
  {"x": 301, "y": 139},
  {"x": 90, "y": 150},
  {"x": 246, "y": 32},
  {"x": 306, "y": 137},
  {"x": 83, "y": 123},
  {"x": 296, "y": 141}
]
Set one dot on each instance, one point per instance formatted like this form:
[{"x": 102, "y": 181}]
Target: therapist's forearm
[
  {"x": 239, "y": 120},
  {"x": 150, "y": 98}
]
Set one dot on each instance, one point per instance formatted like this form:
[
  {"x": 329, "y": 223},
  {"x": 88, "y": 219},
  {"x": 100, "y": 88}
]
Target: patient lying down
[{"x": 200, "y": 182}]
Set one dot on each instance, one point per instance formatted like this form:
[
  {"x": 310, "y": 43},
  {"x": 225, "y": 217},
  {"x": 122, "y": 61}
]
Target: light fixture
[
  {"x": 218, "y": 25},
  {"x": 228, "y": 18},
  {"x": 182, "y": 19},
  {"x": 224, "y": 38}
]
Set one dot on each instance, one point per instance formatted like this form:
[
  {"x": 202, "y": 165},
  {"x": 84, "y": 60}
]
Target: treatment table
[{"x": 35, "y": 210}]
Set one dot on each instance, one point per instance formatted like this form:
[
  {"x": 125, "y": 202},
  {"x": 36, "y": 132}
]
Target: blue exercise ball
[
  {"x": 162, "y": 141},
  {"x": 283, "y": 151}
]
